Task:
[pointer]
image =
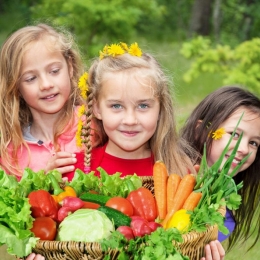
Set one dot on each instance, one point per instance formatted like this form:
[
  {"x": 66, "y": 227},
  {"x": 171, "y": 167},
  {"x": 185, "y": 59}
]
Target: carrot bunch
[{"x": 172, "y": 192}]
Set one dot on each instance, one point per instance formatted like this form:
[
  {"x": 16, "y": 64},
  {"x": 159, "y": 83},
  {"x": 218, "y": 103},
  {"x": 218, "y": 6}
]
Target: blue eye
[
  {"x": 143, "y": 106},
  {"x": 116, "y": 106}
]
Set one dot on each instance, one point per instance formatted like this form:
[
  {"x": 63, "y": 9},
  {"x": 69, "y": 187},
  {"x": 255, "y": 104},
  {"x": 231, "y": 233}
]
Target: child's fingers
[
  {"x": 33, "y": 256},
  {"x": 221, "y": 250},
  {"x": 61, "y": 163},
  {"x": 214, "y": 251},
  {"x": 63, "y": 154}
]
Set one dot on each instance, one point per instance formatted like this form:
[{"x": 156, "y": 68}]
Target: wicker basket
[{"x": 192, "y": 246}]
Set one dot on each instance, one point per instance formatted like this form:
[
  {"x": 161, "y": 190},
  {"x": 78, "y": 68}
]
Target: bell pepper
[
  {"x": 58, "y": 193},
  {"x": 143, "y": 203},
  {"x": 43, "y": 204}
]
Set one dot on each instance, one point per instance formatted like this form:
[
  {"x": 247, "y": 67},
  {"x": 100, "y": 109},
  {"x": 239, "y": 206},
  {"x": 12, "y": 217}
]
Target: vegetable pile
[
  {"x": 34, "y": 208},
  {"x": 119, "y": 213}
]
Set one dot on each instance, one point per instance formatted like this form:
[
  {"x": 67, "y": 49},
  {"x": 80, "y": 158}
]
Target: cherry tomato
[
  {"x": 121, "y": 204},
  {"x": 45, "y": 228}
]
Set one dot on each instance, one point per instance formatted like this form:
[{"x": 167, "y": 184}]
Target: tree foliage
[
  {"x": 239, "y": 65},
  {"x": 96, "y": 23}
]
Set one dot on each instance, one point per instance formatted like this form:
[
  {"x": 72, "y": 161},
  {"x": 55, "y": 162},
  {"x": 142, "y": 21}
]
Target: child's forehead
[
  {"x": 138, "y": 74},
  {"x": 127, "y": 83},
  {"x": 245, "y": 113},
  {"x": 50, "y": 43}
]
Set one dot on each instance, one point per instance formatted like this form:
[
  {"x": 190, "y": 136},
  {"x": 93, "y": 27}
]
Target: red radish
[
  {"x": 63, "y": 213},
  {"x": 138, "y": 217},
  {"x": 140, "y": 227},
  {"x": 154, "y": 225},
  {"x": 126, "y": 231}
]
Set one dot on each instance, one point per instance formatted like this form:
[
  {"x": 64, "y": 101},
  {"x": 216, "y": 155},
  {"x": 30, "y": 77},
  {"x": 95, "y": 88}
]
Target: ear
[
  {"x": 96, "y": 110},
  {"x": 198, "y": 123}
]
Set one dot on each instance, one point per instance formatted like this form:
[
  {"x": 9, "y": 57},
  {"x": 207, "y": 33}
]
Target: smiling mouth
[
  {"x": 129, "y": 132},
  {"x": 50, "y": 96},
  {"x": 237, "y": 161}
]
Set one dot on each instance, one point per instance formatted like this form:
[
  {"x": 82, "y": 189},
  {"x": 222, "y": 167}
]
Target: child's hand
[
  {"x": 214, "y": 251},
  {"x": 33, "y": 256},
  {"x": 62, "y": 161}
]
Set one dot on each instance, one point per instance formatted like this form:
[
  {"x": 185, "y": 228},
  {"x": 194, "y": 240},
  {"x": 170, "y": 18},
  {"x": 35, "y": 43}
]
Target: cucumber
[
  {"x": 96, "y": 198},
  {"x": 116, "y": 216}
]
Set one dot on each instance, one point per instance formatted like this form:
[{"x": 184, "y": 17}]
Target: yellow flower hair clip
[
  {"x": 83, "y": 85},
  {"x": 218, "y": 133},
  {"x": 116, "y": 49}
]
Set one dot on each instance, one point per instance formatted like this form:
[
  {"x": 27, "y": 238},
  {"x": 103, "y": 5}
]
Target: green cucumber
[
  {"x": 116, "y": 216},
  {"x": 95, "y": 198}
]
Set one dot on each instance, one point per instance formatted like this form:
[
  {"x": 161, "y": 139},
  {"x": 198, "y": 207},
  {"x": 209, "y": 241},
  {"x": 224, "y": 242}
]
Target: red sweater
[{"x": 112, "y": 164}]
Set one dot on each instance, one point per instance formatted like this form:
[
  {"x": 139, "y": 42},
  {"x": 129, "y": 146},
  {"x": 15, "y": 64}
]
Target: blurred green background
[{"x": 204, "y": 42}]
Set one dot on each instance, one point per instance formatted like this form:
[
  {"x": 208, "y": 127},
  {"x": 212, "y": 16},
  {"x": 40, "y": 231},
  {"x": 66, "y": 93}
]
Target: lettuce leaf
[{"x": 15, "y": 223}]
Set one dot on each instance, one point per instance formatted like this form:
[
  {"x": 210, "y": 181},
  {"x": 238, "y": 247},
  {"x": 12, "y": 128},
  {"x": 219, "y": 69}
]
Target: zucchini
[
  {"x": 96, "y": 198},
  {"x": 116, "y": 216}
]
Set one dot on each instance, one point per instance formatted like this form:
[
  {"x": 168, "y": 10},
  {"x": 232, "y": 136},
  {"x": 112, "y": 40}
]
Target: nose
[
  {"x": 243, "y": 147},
  {"x": 45, "y": 83},
  {"x": 130, "y": 118}
]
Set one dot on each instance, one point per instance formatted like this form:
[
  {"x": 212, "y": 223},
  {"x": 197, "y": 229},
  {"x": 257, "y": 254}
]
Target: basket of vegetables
[{"x": 109, "y": 217}]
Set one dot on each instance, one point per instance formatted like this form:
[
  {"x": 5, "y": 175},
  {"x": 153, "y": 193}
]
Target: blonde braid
[{"x": 88, "y": 131}]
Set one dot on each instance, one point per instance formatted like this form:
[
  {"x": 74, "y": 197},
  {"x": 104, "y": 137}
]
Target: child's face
[
  {"x": 129, "y": 112},
  {"x": 45, "y": 79},
  {"x": 250, "y": 126}
]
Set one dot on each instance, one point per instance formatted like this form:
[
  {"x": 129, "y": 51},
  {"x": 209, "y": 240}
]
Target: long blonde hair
[
  {"x": 14, "y": 112},
  {"x": 165, "y": 143}
]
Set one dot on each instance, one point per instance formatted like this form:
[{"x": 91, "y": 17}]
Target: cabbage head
[{"x": 87, "y": 225}]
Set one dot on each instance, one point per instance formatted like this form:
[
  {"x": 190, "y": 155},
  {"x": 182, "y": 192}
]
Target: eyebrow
[
  {"x": 48, "y": 65},
  {"x": 138, "y": 101}
]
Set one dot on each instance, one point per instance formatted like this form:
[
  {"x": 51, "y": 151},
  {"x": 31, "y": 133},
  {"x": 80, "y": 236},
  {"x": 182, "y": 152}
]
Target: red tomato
[
  {"x": 121, "y": 204},
  {"x": 45, "y": 228}
]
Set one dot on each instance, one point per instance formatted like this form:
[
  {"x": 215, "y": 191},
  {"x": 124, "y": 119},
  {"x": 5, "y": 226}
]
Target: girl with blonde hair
[
  {"x": 134, "y": 115},
  {"x": 39, "y": 71}
]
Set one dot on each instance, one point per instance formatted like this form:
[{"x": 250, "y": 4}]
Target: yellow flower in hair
[
  {"x": 124, "y": 46},
  {"x": 83, "y": 86},
  {"x": 103, "y": 53},
  {"x": 218, "y": 133},
  {"x": 81, "y": 111},
  {"x": 119, "y": 49},
  {"x": 135, "y": 50},
  {"x": 115, "y": 49},
  {"x": 78, "y": 134}
]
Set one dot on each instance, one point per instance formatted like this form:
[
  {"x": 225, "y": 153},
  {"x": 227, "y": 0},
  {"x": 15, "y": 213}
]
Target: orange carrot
[
  {"x": 192, "y": 201},
  {"x": 185, "y": 188},
  {"x": 172, "y": 186},
  {"x": 160, "y": 176},
  {"x": 90, "y": 205}
]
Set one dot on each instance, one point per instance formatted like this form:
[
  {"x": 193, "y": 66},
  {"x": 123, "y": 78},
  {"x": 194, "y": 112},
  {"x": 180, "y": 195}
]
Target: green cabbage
[{"x": 86, "y": 225}]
